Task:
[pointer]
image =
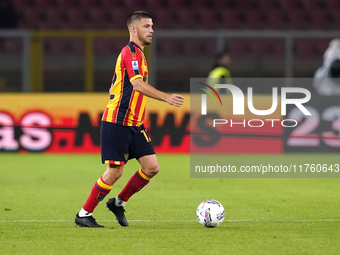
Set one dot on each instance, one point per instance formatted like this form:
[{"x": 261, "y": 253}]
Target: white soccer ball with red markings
[{"x": 210, "y": 213}]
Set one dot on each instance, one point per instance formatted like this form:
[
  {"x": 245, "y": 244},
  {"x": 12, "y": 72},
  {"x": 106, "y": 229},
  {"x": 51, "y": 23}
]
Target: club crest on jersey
[{"x": 135, "y": 65}]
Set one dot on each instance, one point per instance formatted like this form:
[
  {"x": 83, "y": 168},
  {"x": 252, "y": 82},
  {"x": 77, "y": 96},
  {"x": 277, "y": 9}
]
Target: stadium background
[{"x": 178, "y": 55}]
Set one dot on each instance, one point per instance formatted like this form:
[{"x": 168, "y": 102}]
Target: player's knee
[
  {"x": 113, "y": 173},
  {"x": 153, "y": 170},
  {"x": 156, "y": 169},
  {"x": 117, "y": 172}
]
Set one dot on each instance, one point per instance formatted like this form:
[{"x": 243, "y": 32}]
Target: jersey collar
[{"x": 136, "y": 45}]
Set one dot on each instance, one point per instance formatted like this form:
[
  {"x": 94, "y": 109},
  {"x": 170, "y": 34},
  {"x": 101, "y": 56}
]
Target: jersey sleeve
[{"x": 133, "y": 63}]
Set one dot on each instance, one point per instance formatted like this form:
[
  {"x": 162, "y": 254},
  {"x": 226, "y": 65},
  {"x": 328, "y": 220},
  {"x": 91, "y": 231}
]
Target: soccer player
[{"x": 123, "y": 136}]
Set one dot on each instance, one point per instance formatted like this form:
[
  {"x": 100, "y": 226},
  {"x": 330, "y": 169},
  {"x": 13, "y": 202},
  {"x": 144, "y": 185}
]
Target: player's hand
[{"x": 175, "y": 99}]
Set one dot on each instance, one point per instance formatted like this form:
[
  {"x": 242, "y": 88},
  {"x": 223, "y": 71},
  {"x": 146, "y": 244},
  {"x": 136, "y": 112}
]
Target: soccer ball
[{"x": 210, "y": 213}]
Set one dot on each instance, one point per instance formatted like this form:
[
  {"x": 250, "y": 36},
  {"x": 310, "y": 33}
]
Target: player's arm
[{"x": 142, "y": 87}]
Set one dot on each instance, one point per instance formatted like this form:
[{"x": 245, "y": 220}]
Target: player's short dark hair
[
  {"x": 138, "y": 15},
  {"x": 219, "y": 56}
]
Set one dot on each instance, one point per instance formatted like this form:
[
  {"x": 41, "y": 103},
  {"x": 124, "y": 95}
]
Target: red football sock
[
  {"x": 99, "y": 191},
  {"x": 136, "y": 183}
]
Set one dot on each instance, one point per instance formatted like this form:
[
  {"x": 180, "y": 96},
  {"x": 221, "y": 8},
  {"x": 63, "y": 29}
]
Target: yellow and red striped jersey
[{"x": 127, "y": 106}]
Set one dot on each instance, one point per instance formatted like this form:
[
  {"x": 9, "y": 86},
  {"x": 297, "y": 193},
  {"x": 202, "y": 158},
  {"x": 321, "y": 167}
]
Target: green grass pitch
[{"x": 40, "y": 195}]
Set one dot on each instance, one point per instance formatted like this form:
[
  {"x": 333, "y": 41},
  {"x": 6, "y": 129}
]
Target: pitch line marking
[{"x": 259, "y": 220}]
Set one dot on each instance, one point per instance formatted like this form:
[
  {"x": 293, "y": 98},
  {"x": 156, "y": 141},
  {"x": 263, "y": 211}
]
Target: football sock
[
  {"x": 136, "y": 183},
  {"x": 99, "y": 191},
  {"x": 84, "y": 213},
  {"x": 119, "y": 201}
]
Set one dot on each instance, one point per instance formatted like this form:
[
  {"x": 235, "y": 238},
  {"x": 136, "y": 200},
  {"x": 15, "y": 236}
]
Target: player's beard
[
  {"x": 144, "y": 40},
  {"x": 147, "y": 42}
]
